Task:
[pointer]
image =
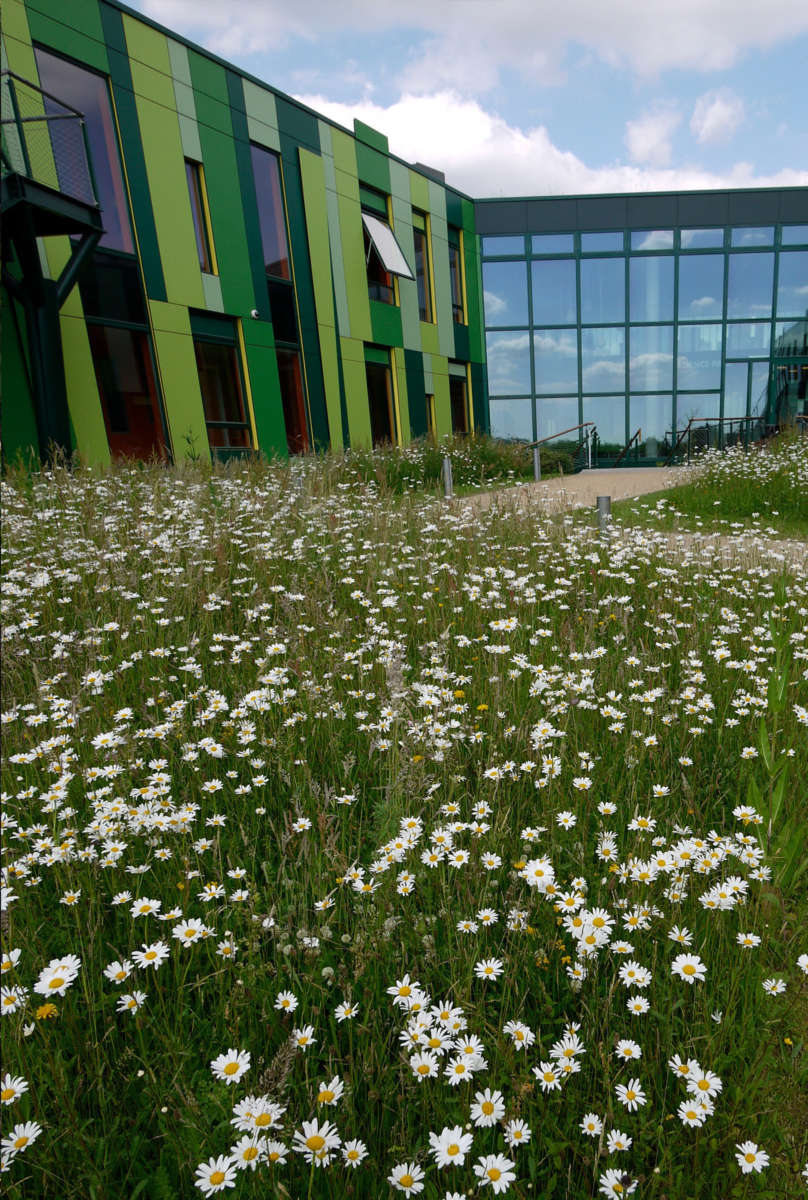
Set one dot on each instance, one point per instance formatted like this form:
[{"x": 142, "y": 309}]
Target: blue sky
[{"x": 533, "y": 97}]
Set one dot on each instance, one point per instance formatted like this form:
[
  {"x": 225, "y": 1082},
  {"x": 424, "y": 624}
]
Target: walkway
[{"x": 560, "y": 492}]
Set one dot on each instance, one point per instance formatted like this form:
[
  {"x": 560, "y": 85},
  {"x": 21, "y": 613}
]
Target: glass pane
[
  {"x": 652, "y": 239},
  {"x": 220, "y": 382},
  {"x": 699, "y": 361},
  {"x": 380, "y": 282},
  {"x": 503, "y": 245},
  {"x": 512, "y": 419},
  {"x": 651, "y": 289},
  {"x": 110, "y": 289},
  {"x": 702, "y": 239},
  {"x": 791, "y": 337},
  {"x": 505, "y": 293},
  {"x": 552, "y": 243},
  {"x": 760, "y": 388},
  {"x": 194, "y": 179},
  {"x": 688, "y": 407},
  {"x": 761, "y": 236},
  {"x": 651, "y": 358},
  {"x": 422, "y": 275},
  {"x": 701, "y": 286},
  {"x": 88, "y": 93},
  {"x": 294, "y": 408},
  {"x": 556, "y": 415},
  {"x": 127, "y": 391},
  {"x": 603, "y": 359},
  {"x": 609, "y": 415},
  {"x": 555, "y": 360},
  {"x": 748, "y": 337},
  {"x": 386, "y": 246},
  {"x": 603, "y": 290},
  {"x": 456, "y": 277},
  {"x": 653, "y": 416},
  {"x": 794, "y": 235},
  {"x": 268, "y": 194},
  {"x": 458, "y": 404},
  {"x": 595, "y": 243},
  {"x": 508, "y": 363},
  {"x": 380, "y": 399},
  {"x": 792, "y": 283},
  {"x": 554, "y": 300},
  {"x": 750, "y": 285},
  {"x": 282, "y": 308},
  {"x": 735, "y": 382}
]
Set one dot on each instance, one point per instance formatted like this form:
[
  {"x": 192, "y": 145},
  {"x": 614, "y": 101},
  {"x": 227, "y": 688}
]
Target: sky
[{"x": 540, "y": 97}]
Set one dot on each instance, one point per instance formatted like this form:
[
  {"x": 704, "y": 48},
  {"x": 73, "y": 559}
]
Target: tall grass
[{"x": 265, "y": 698}]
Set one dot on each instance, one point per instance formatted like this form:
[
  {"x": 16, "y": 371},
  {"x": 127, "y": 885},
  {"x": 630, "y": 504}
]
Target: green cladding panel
[
  {"x": 262, "y": 368},
  {"x": 20, "y": 438},
  {"x": 80, "y": 37},
  {"x": 416, "y": 392}
]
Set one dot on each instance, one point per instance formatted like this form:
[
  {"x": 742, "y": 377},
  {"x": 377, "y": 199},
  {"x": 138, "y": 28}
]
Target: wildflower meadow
[{"x": 364, "y": 844}]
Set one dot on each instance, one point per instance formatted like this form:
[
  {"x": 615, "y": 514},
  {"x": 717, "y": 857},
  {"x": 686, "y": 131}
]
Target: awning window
[{"x": 384, "y": 243}]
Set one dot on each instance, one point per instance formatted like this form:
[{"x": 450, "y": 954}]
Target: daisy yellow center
[
  {"x": 423, "y": 1068},
  {"x": 216, "y": 1178},
  {"x": 494, "y": 1174},
  {"x": 8, "y": 1000},
  {"x": 749, "y": 1157},
  {"x": 250, "y": 1153},
  {"x": 453, "y": 1149},
  {"x": 120, "y": 974},
  {"x": 57, "y": 982},
  {"x": 315, "y": 1142},
  {"x": 689, "y": 969},
  {"x": 487, "y": 1107},
  {"x": 433, "y": 1043},
  {"x": 7, "y": 1094},
  {"x": 631, "y": 1095},
  {"x": 405, "y": 991},
  {"x": 150, "y": 954},
  {"x": 353, "y": 1155},
  {"x": 231, "y": 1068},
  {"x": 406, "y": 1180},
  {"x": 704, "y": 1085},
  {"x": 273, "y": 1156},
  {"x": 189, "y": 933},
  {"x": 325, "y": 1096},
  {"x": 22, "y": 1140},
  {"x": 263, "y": 1119},
  {"x": 460, "y": 1068},
  {"x": 692, "y": 1114}
]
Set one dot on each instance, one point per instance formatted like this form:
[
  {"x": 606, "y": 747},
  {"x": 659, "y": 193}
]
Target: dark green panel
[
  {"x": 20, "y": 437},
  {"x": 479, "y": 398},
  {"x": 454, "y": 208},
  {"x": 213, "y": 327},
  {"x": 81, "y": 39},
  {"x": 209, "y": 81},
  {"x": 252, "y": 227},
  {"x": 262, "y": 366},
  {"x": 132, "y": 148},
  {"x": 474, "y": 313},
  {"x": 298, "y": 125},
  {"x": 461, "y": 341},
  {"x": 373, "y": 167},
  {"x": 292, "y": 129},
  {"x": 377, "y": 354},
  {"x": 385, "y": 321},
  {"x": 416, "y": 392},
  {"x": 366, "y": 133}
]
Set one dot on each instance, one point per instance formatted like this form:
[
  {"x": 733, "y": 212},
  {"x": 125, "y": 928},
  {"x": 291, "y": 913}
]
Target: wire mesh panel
[{"x": 45, "y": 140}]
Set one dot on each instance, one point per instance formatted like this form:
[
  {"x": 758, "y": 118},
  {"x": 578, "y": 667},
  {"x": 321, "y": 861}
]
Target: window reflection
[
  {"x": 512, "y": 418},
  {"x": 552, "y": 243},
  {"x": 603, "y": 359},
  {"x": 736, "y": 376},
  {"x": 508, "y": 357},
  {"x": 699, "y": 359},
  {"x": 651, "y": 361},
  {"x": 505, "y": 293},
  {"x": 653, "y": 415},
  {"x": 598, "y": 242},
  {"x": 745, "y": 237},
  {"x": 651, "y": 289},
  {"x": 652, "y": 239},
  {"x": 503, "y": 245},
  {"x": 556, "y": 415},
  {"x": 704, "y": 405},
  {"x": 794, "y": 235},
  {"x": 554, "y": 301},
  {"x": 792, "y": 283},
  {"x": 701, "y": 286},
  {"x": 750, "y": 285},
  {"x": 555, "y": 360},
  {"x": 702, "y": 239},
  {"x": 603, "y": 290},
  {"x": 748, "y": 337},
  {"x": 609, "y": 415}
]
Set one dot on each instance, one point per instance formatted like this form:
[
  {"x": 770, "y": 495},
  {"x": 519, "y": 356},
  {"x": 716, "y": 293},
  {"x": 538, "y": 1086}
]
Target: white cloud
[
  {"x": 648, "y": 139},
  {"x": 716, "y": 116},
  {"x": 466, "y": 43},
  {"x": 483, "y": 155}
]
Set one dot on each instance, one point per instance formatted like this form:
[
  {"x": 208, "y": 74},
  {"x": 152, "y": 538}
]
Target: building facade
[
  {"x": 195, "y": 264},
  {"x": 265, "y": 280},
  {"x": 640, "y": 312}
]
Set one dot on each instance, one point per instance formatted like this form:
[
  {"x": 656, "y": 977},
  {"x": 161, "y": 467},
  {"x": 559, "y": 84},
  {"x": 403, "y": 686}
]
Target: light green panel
[
  {"x": 344, "y": 151},
  {"x": 180, "y": 66},
  {"x": 440, "y": 261},
  {"x": 419, "y": 191},
  {"x": 189, "y": 136},
  {"x": 443, "y": 407},
  {"x": 403, "y": 403},
  {"x": 399, "y": 182},
  {"x": 312, "y": 177},
  {"x": 83, "y": 401},
  {"x": 179, "y": 379},
  {"x": 18, "y": 56},
  {"x": 353, "y": 259},
  {"x": 428, "y": 374},
  {"x": 334, "y": 236},
  {"x": 356, "y": 392},
  {"x": 17, "y": 37},
  {"x": 262, "y": 116},
  {"x": 149, "y": 62},
  {"x": 346, "y": 185},
  {"x": 212, "y": 288},
  {"x": 407, "y": 290},
  {"x": 430, "y": 339}
]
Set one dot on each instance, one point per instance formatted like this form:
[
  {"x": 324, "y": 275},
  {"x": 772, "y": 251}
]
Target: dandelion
[
  {"x": 750, "y": 1157},
  {"x": 231, "y": 1066}
]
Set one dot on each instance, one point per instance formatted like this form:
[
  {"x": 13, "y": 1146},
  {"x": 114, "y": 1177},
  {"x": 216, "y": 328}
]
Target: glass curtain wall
[{"x": 640, "y": 330}]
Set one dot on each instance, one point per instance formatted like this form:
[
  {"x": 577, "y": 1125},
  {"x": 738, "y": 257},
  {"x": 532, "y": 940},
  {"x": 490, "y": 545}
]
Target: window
[
  {"x": 505, "y": 293},
  {"x": 603, "y": 359},
  {"x": 554, "y": 301},
  {"x": 493, "y": 246},
  {"x": 701, "y": 286},
  {"x": 603, "y": 290},
  {"x": 508, "y": 357},
  {"x": 384, "y": 257},
  {"x": 456, "y": 275},
  {"x": 597, "y": 243},
  {"x": 271, "y": 217},
  {"x": 199, "y": 211},
  {"x": 651, "y": 288},
  {"x": 699, "y": 357},
  {"x": 431, "y": 418},
  {"x": 555, "y": 355},
  {"x": 294, "y": 405},
  {"x": 512, "y": 418},
  {"x": 458, "y": 398},
  {"x": 749, "y": 291},
  {"x": 89, "y": 93},
  {"x": 126, "y": 386},
  {"x": 651, "y": 358},
  {"x": 423, "y": 274},
  {"x": 221, "y": 384},
  {"x": 380, "y": 396},
  {"x": 702, "y": 239}
]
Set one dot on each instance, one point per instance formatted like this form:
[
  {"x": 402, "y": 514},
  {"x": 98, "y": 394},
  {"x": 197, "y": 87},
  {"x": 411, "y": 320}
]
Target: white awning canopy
[{"x": 385, "y": 244}]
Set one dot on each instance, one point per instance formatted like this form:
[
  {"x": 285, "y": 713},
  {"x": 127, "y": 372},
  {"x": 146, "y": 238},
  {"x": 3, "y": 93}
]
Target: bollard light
[
  {"x": 536, "y": 464},
  {"x": 604, "y": 514},
  {"x": 448, "y": 490}
]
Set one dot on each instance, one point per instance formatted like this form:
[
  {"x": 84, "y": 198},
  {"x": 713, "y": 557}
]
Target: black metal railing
[
  {"x": 45, "y": 140},
  {"x": 714, "y": 433}
]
